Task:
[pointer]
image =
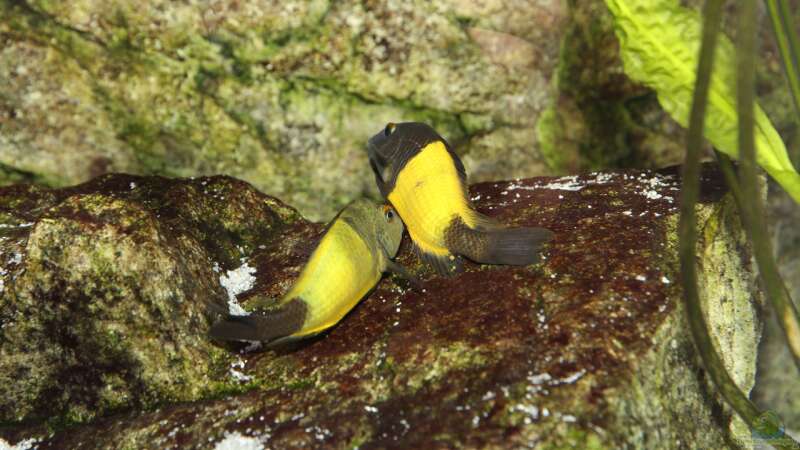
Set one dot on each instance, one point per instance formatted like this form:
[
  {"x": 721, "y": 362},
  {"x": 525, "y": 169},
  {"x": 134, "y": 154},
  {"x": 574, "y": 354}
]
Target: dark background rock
[{"x": 588, "y": 349}]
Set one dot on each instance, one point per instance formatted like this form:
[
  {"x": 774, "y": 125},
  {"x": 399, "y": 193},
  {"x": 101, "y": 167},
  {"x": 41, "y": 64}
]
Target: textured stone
[
  {"x": 281, "y": 94},
  {"x": 588, "y": 349},
  {"x": 107, "y": 290},
  {"x": 284, "y": 94}
]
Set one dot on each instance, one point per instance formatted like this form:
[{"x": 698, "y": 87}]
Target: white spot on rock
[
  {"x": 237, "y": 441},
  {"x": 20, "y": 225},
  {"x": 25, "y": 444},
  {"x": 235, "y": 282},
  {"x": 237, "y": 374}
]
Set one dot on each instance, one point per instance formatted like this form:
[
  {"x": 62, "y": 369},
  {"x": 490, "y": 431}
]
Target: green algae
[
  {"x": 553, "y": 144},
  {"x": 587, "y": 126}
]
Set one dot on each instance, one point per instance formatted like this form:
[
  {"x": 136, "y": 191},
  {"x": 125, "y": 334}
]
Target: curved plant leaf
[{"x": 659, "y": 44}]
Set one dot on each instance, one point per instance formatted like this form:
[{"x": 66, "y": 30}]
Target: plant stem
[
  {"x": 753, "y": 213},
  {"x": 729, "y": 173},
  {"x": 786, "y": 37},
  {"x": 688, "y": 235},
  {"x": 687, "y": 225}
]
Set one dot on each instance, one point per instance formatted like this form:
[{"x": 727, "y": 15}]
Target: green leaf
[{"x": 659, "y": 42}]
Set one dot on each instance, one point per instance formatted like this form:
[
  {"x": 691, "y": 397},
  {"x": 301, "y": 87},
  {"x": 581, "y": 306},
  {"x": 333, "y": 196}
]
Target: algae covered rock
[
  {"x": 588, "y": 349},
  {"x": 107, "y": 290},
  {"x": 284, "y": 94}
]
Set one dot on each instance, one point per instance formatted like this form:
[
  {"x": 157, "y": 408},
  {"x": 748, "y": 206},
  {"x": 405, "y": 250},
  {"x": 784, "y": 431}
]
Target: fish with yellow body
[
  {"x": 355, "y": 250},
  {"x": 421, "y": 176}
]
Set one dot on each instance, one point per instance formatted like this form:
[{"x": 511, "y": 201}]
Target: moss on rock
[
  {"x": 109, "y": 287},
  {"x": 285, "y": 94},
  {"x": 281, "y": 94}
]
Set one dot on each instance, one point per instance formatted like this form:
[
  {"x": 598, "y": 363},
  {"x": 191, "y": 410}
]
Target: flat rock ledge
[{"x": 107, "y": 290}]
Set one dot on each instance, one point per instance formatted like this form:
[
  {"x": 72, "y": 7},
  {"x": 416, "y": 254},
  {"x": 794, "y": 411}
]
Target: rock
[
  {"x": 104, "y": 312},
  {"x": 108, "y": 289},
  {"x": 281, "y": 94},
  {"x": 284, "y": 94}
]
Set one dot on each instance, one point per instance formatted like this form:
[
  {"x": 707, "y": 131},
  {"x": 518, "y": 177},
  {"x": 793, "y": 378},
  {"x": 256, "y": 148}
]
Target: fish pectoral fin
[
  {"x": 445, "y": 265},
  {"x": 262, "y": 302},
  {"x": 402, "y": 272},
  {"x": 484, "y": 222}
]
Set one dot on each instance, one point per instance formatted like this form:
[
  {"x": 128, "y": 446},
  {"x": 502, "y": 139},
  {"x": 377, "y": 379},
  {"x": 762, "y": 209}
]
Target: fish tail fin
[
  {"x": 283, "y": 321},
  {"x": 496, "y": 245},
  {"x": 516, "y": 246}
]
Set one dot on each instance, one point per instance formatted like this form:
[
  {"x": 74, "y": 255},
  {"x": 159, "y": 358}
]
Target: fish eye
[
  {"x": 388, "y": 212},
  {"x": 390, "y": 127}
]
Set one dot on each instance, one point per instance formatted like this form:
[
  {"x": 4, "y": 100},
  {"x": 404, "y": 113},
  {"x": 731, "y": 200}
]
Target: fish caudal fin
[
  {"x": 284, "y": 321},
  {"x": 515, "y": 246},
  {"x": 496, "y": 245}
]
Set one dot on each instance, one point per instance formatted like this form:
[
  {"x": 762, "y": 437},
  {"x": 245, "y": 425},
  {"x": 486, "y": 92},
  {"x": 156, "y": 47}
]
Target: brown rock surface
[{"x": 588, "y": 349}]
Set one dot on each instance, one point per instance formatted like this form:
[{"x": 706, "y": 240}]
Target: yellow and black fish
[
  {"x": 421, "y": 176},
  {"x": 357, "y": 247}
]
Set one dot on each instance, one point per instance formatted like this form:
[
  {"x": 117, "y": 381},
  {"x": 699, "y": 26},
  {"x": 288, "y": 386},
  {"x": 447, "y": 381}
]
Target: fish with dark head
[{"x": 420, "y": 175}]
